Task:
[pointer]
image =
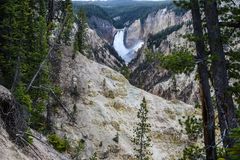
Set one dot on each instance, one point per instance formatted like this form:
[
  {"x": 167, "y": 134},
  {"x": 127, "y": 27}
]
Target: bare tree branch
[
  {"x": 57, "y": 99},
  {"x": 49, "y": 54}
]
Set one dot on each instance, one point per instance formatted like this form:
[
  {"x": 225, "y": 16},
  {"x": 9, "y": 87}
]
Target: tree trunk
[
  {"x": 50, "y": 11},
  {"x": 16, "y": 76},
  {"x": 49, "y": 118},
  {"x": 207, "y": 108},
  {"x": 225, "y": 106}
]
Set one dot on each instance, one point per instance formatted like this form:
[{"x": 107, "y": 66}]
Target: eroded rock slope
[{"x": 106, "y": 105}]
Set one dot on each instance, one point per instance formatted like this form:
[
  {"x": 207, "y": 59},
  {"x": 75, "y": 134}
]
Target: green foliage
[
  {"x": 141, "y": 139},
  {"x": 57, "y": 90},
  {"x": 78, "y": 149},
  {"x": 180, "y": 61},
  {"x": 156, "y": 39},
  {"x": 221, "y": 153},
  {"x": 192, "y": 126},
  {"x": 94, "y": 156},
  {"x": 234, "y": 152},
  {"x": 193, "y": 152},
  {"x": 60, "y": 144},
  {"x": 194, "y": 129},
  {"x": 69, "y": 24},
  {"x": 23, "y": 45},
  {"x": 23, "y": 97},
  {"x": 125, "y": 70},
  {"x": 28, "y": 136},
  {"x": 79, "y": 44},
  {"x": 95, "y": 10}
]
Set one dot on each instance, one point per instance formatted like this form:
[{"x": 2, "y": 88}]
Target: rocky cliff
[
  {"x": 156, "y": 80},
  {"x": 104, "y": 28},
  {"x": 170, "y": 28},
  {"x": 154, "y": 23},
  {"x": 102, "y": 52},
  {"x": 104, "y": 105}
]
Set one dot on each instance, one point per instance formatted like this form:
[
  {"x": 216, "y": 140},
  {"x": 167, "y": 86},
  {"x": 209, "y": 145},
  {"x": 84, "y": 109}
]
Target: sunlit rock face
[
  {"x": 134, "y": 33},
  {"x": 107, "y": 105},
  {"x": 154, "y": 79},
  {"x": 130, "y": 43},
  {"x": 154, "y": 23}
]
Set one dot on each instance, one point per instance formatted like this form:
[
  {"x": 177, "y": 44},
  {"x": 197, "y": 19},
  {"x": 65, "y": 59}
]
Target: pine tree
[
  {"x": 141, "y": 138},
  {"x": 79, "y": 44},
  {"x": 225, "y": 105},
  {"x": 205, "y": 96},
  {"x": 69, "y": 24},
  {"x": 223, "y": 65}
]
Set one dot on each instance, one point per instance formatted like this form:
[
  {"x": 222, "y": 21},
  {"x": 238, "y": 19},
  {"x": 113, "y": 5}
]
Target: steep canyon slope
[
  {"x": 106, "y": 105},
  {"x": 161, "y": 31}
]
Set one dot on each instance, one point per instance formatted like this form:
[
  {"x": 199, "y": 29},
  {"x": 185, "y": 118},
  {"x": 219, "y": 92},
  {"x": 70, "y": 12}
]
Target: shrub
[
  {"x": 94, "y": 156},
  {"x": 78, "y": 149},
  {"x": 60, "y": 144},
  {"x": 125, "y": 71}
]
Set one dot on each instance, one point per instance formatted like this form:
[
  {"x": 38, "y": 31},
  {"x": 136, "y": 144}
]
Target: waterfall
[{"x": 127, "y": 54}]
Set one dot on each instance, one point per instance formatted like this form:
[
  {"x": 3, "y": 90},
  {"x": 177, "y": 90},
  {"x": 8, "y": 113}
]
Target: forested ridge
[
  {"x": 120, "y": 13},
  {"x": 33, "y": 33}
]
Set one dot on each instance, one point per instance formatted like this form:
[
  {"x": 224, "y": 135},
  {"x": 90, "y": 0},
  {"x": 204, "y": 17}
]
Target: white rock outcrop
[
  {"x": 154, "y": 23},
  {"x": 107, "y": 105}
]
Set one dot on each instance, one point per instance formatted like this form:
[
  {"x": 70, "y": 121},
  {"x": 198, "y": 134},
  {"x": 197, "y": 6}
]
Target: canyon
[{"x": 130, "y": 44}]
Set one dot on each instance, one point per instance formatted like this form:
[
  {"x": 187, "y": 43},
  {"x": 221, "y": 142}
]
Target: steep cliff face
[
  {"x": 134, "y": 33},
  {"x": 153, "y": 78},
  {"x": 154, "y": 23},
  {"x": 158, "y": 81},
  {"x": 104, "y": 28},
  {"x": 107, "y": 105},
  {"x": 168, "y": 27},
  {"x": 176, "y": 40},
  {"x": 103, "y": 105},
  {"x": 102, "y": 52}
]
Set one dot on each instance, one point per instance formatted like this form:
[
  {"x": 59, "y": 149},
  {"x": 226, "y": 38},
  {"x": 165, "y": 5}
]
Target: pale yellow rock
[{"x": 109, "y": 115}]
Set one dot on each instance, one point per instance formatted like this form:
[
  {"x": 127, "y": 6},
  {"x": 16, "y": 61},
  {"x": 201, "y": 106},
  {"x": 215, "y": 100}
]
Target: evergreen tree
[
  {"x": 205, "y": 96},
  {"x": 225, "y": 105},
  {"x": 80, "y": 38},
  {"x": 69, "y": 24},
  {"x": 222, "y": 67},
  {"x": 23, "y": 46},
  {"x": 141, "y": 138}
]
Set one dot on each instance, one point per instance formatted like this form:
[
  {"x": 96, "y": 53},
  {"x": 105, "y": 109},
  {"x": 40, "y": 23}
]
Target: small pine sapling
[{"x": 141, "y": 139}]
